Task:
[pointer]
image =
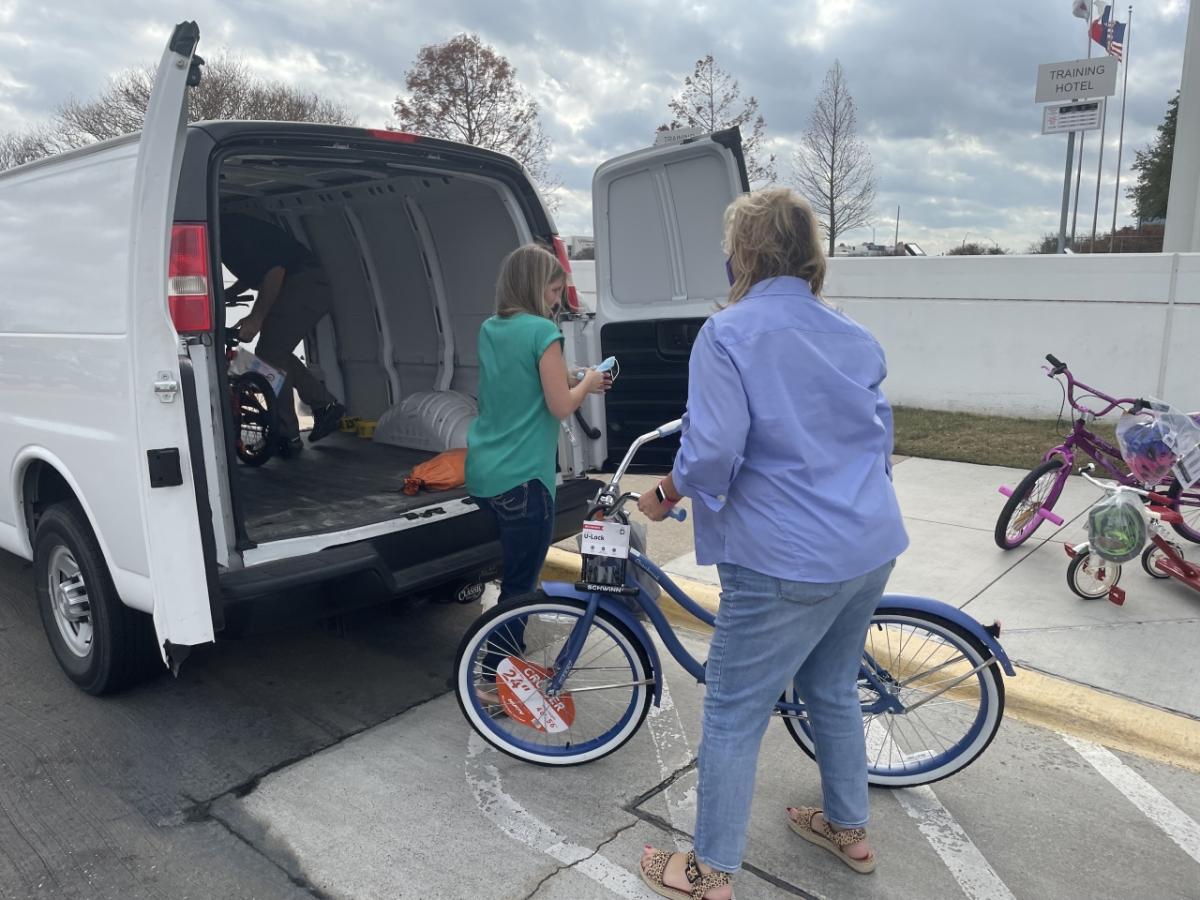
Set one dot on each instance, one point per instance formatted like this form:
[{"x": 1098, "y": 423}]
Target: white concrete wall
[{"x": 970, "y": 333}]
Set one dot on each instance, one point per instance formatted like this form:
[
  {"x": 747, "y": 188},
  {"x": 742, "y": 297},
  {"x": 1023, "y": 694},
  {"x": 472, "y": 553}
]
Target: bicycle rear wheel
[
  {"x": 953, "y": 702},
  {"x": 254, "y": 413},
  {"x": 1018, "y": 519},
  {"x": 1188, "y": 504},
  {"x": 510, "y": 651}
]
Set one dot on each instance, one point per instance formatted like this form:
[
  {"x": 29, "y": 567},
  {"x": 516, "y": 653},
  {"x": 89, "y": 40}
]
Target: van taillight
[
  {"x": 560, "y": 250},
  {"x": 400, "y": 137},
  {"x": 187, "y": 279}
]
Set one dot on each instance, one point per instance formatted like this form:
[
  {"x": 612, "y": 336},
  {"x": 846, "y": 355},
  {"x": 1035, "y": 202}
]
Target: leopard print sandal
[
  {"x": 835, "y": 842},
  {"x": 652, "y": 873}
]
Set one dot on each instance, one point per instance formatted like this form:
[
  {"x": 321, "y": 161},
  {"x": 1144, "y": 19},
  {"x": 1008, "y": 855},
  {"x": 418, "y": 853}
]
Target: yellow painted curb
[{"x": 1039, "y": 699}]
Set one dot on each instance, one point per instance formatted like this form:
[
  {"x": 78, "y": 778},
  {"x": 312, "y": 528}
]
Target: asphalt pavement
[{"x": 330, "y": 760}]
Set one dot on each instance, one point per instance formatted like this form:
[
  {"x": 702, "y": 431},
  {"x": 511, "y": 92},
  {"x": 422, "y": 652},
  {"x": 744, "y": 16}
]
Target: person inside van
[{"x": 293, "y": 295}]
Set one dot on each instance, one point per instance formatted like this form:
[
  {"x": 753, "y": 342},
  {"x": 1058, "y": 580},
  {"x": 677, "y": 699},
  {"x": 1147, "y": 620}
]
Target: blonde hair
[
  {"x": 524, "y": 276},
  {"x": 770, "y": 233}
]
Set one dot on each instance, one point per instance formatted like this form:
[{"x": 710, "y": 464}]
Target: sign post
[{"x": 1073, "y": 80}]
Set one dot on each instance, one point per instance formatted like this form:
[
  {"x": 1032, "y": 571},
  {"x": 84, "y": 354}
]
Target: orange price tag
[{"x": 518, "y": 684}]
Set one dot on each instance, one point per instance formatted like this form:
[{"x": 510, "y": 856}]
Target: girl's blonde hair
[
  {"x": 524, "y": 276},
  {"x": 770, "y": 233}
]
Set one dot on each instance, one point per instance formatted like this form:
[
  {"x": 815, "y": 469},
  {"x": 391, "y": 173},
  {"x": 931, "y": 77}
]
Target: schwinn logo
[{"x": 606, "y": 588}]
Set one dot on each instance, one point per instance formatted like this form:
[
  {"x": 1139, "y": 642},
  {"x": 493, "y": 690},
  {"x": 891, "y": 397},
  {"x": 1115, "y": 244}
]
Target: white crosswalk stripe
[{"x": 1174, "y": 822}]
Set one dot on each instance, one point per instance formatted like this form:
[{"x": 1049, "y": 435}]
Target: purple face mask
[{"x": 729, "y": 270}]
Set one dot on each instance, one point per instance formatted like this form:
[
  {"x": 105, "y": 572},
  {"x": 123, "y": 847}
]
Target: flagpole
[
  {"x": 1082, "y": 134},
  {"x": 1108, "y": 39},
  {"x": 1112, "y": 237}
]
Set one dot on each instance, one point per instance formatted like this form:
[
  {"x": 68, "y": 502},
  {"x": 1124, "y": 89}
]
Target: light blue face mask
[{"x": 729, "y": 270}]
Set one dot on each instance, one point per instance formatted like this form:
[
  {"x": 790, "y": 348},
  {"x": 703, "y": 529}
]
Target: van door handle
[{"x": 166, "y": 387}]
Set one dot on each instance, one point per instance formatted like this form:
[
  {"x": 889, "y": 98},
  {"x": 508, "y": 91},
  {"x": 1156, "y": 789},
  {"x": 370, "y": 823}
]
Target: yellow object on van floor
[
  {"x": 349, "y": 424},
  {"x": 366, "y": 428}
]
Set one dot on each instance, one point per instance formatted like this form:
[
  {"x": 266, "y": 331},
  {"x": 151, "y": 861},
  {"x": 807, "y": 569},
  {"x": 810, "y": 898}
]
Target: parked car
[{"x": 147, "y": 536}]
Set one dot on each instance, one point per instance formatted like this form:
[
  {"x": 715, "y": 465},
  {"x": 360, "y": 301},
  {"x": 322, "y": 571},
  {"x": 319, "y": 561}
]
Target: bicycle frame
[{"x": 610, "y": 500}]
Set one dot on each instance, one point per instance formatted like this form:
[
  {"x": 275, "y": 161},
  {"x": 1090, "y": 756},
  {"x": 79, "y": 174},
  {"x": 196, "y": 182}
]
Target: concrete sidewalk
[{"x": 1143, "y": 651}]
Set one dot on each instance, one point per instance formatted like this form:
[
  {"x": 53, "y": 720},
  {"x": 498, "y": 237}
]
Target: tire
[
  {"x": 978, "y": 727},
  {"x": 1189, "y": 528},
  {"x": 1043, "y": 485},
  {"x": 1149, "y": 555},
  {"x": 100, "y": 643},
  {"x": 254, "y": 418},
  {"x": 627, "y": 663},
  {"x": 1085, "y": 579}
]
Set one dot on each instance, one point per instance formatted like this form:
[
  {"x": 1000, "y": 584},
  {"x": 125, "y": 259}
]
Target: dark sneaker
[
  {"x": 326, "y": 421},
  {"x": 290, "y": 447}
]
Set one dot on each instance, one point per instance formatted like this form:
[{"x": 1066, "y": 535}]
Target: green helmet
[{"x": 1117, "y": 528}]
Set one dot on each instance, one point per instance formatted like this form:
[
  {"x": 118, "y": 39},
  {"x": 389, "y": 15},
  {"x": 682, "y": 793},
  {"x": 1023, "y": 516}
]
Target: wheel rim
[
  {"x": 69, "y": 601},
  {"x": 254, "y": 416},
  {"x": 1094, "y": 576},
  {"x": 920, "y": 661},
  {"x": 1188, "y": 505},
  {"x": 1024, "y": 519},
  {"x": 608, "y": 664}
]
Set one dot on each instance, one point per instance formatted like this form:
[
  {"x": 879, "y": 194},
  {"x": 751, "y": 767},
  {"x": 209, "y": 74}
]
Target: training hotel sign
[{"x": 1076, "y": 80}]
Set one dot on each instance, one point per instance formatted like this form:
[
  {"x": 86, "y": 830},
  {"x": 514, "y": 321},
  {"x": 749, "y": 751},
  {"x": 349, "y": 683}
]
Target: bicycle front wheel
[
  {"x": 952, "y": 699},
  {"x": 1018, "y": 519},
  {"x": 509, "y": 654}
]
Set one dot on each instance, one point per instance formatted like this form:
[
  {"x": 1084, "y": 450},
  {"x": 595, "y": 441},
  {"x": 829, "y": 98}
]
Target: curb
[{"x": 1034, "y": 697}]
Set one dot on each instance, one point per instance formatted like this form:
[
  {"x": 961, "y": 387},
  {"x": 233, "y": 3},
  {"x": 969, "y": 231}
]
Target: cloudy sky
[{"x": 944, "y": 87}]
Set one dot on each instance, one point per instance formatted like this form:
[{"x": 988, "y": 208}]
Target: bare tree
[
  {"x": 711, "y": 99},
  {"x": 463, "y": 90},
  {"x": 833, "y": 166},
  {"x": 19, "y": 147},
  {"x": 227, "y": 90}
]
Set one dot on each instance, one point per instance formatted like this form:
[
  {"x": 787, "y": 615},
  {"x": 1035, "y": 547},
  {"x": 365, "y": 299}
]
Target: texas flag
[{"x": 1109, "y": 33}]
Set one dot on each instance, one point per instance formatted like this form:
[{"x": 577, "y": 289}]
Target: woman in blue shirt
[{"x": 786, "y": 454}]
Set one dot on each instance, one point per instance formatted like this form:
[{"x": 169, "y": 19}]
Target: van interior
[{"x": 411, "y": 256}]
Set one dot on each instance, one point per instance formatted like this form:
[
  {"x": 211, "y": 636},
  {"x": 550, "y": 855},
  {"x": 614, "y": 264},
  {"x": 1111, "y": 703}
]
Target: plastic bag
[
  {"x": 245, "y": 361},
  {"x": 1159, "y": 442},
  {"x": 445, "y": 471},
  {"x": 1117, "y": 527}
]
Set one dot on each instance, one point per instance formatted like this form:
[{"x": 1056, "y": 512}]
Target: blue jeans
[
  {"x": 524, "y": 517},
  {"x": 768, "y": 632}
]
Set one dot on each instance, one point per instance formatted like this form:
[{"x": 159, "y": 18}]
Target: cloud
[{"x": 944, "y": 89}]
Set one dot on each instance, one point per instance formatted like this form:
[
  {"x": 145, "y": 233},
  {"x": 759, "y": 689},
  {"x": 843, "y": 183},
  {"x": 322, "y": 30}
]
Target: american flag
[{"x": 1109, "y": 33}]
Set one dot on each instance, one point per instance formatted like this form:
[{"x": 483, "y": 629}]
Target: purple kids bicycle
[{"x": 1032, "y": 501}]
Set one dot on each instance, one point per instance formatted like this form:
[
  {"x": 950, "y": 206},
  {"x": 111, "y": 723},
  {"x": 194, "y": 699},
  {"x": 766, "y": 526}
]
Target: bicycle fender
[
  {"x": 621, "y": 614},
  {"x": 895, "y": 602}
]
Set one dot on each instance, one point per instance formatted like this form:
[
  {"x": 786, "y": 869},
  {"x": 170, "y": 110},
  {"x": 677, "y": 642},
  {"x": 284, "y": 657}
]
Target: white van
[{"x": 120, "y": 481}]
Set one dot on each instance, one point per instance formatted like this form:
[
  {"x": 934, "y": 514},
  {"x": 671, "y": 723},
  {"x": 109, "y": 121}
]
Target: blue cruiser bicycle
[{"x": 566, "y": 675}]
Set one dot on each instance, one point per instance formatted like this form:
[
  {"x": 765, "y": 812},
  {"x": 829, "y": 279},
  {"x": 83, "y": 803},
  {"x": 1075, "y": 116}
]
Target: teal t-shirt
[{"x": 515, "y": 437}]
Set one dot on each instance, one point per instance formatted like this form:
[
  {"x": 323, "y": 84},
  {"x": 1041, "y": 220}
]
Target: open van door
[
  {"x": 660, "y": 272},
  {"x": 161, "y": 373}
]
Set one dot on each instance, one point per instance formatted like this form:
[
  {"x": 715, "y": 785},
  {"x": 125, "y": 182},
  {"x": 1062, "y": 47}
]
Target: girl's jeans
[
  {"x": 525, "y": 519},
  {"x": 768, "y": 631}
]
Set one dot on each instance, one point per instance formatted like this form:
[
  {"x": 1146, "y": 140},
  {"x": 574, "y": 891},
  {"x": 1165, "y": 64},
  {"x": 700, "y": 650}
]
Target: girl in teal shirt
[{"x": 524, "y": 390}]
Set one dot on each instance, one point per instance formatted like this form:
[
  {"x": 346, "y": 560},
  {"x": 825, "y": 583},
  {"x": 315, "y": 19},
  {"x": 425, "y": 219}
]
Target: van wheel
[{"x": 101, "y": 644}]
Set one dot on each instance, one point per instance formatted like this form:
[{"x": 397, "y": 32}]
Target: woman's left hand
[{"x": 650, "y": 507}]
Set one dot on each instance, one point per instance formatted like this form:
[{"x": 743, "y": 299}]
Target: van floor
[{"x": 339, "y": 483}]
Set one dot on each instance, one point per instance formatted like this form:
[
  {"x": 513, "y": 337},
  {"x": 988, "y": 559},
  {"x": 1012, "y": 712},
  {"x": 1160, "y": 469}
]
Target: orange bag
[{"x": 443, "y": 472}]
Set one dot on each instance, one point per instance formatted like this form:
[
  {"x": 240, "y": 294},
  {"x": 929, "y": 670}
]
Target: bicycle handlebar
[
  {"x": 1058, "y": 367},
  {"x": 1116, "y": 488}
]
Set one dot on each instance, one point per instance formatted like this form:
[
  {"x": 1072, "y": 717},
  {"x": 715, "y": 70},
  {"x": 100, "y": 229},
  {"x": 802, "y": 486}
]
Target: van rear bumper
[{"x": 364, "y": 573}]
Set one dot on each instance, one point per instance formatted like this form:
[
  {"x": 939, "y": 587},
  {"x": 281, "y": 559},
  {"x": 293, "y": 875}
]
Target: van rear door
[
  {"x": 182, "y": 615},
  {"x": 660, "y": 271}
]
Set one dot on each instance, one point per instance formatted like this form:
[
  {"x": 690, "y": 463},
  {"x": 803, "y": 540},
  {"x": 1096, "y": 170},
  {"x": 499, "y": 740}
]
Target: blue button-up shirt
[{"x": 787, "y": 440}]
